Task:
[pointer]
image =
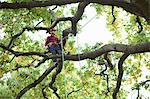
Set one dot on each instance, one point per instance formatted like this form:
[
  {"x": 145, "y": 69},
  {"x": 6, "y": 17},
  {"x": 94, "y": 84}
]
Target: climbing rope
[
  {"x": 61, "y": 43},
  {"x": 88, "y": 21},
  {"x": 62, "y": 54},
  {"x": 78, "y": 50},
  {"x": 78, "y": 38}
]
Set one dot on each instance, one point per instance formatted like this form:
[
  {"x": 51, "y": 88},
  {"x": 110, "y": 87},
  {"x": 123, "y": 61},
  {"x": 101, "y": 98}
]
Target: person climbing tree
[{"x": 52, "y": 43}]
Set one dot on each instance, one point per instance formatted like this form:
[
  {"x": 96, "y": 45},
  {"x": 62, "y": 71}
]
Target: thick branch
[
  {"x": 78, "y": 15},
  {"x": 24, "y": 90},
  {"x": 120, "y": 75},
  {"x": 60, "y": 19},
  {"x": 55, "y": 74},
  {"x": 135, "y": 7},
  {"x": 130, "y": 49},
  {"x": 33, "y": 4}
]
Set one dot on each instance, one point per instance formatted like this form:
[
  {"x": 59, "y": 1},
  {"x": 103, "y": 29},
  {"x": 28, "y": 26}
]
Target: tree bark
[{"x": 137, "y": 7}]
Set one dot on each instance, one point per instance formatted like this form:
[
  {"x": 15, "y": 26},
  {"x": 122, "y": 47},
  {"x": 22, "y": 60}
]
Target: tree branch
[
  {"x": 137, "y": 87},
  {"x": 41, "y": 62},
  {"x": 133, "y": 7},
  {"x": 28, "y": 87},
  {"x": 130, "y": 49},
  {"x": 78, "y": 15},
  {"x": 12, "y": 59},
  {"x": 74, "y": 20},
  {"x": 39, "y": 23},
  {"x": 112, "y": 11},
  {"x": 72, "y": 92},
  {"x": 44, "y": 93},
  {"x": 19, "y": 66},
  {"x": 14, "y": 37},
  {"x": 108, "y": 61},
  {"x": 60, "y": 19},
  {"x": 120, "y": 75},
  {"x": 140, "y": 26},
  {"x": 19, "y": 34},
  {"x": 55, "y": 74},
  {"x": 102, "y": 73}
]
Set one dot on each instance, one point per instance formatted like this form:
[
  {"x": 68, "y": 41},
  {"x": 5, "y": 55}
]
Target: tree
[{"x": 19, "y": 51}]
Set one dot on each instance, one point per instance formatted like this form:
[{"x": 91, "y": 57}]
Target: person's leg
[
  {"x": 58, "y": 49},
  {"x": 53, "y": 51}
]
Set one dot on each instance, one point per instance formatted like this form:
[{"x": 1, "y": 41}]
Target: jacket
[{"x": 51, "y": 39}]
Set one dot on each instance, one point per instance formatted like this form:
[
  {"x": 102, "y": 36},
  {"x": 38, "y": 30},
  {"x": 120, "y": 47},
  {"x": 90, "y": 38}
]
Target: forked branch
[{"x": 28, "y": 87}]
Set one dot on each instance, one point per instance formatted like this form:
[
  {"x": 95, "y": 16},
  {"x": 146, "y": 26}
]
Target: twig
[
  {"x": 20, "y": 66},
  {"x": 140, "y": 26},
  {"x": 19, "y": 34},
  {"x": 54, "y": 8},
  {"x": 39, "y": 23},
  {"x": 41, "y": 62},
  {"x": 12, "y": 59},
  {"x": 72, "y": 92},
  {"x": 112, "y": 11},
  {"x": 14, "y": 37},
  {"x": 138, "y": 93},
  {"x": 102, "y": 73},
  {"x": 138, "y": 87}
]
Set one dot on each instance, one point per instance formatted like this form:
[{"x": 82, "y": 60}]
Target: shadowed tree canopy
[{"x": 30, "y": 67}]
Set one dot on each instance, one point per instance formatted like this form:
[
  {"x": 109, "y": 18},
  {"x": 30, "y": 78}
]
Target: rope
[
  {"x": 62, "y": 53},
  {"x": 78, "y": 50},
  {"x": 88, "y": 21},
  {"x": 78, "y": 38}
]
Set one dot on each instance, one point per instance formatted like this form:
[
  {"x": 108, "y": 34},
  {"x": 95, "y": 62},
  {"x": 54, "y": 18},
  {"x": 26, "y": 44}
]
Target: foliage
[{"x": 74, "y": 76}]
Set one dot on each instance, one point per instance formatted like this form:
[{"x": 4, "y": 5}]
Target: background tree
[{"x": 23, "y": 58}]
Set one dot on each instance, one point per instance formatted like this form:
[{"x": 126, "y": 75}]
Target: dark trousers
[{"x": 54, "y": 49}]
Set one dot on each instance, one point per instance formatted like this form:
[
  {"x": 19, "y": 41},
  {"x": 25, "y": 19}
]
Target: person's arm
[
  {"x": 57, "y": 40},
  {"x": 48, "y": 41}
]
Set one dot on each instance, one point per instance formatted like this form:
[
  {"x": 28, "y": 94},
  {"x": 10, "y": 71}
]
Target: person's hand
[
  {"x": 50, "y": 43},
  {"x": 55, "y": 43}
]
